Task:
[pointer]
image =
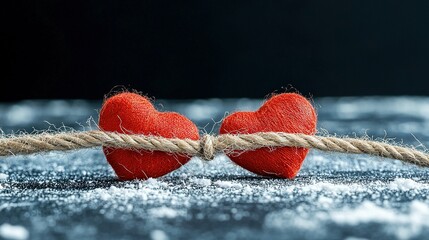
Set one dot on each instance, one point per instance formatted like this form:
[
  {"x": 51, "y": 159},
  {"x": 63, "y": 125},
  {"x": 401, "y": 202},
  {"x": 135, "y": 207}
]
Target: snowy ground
[{"x": 75, "y": 195}]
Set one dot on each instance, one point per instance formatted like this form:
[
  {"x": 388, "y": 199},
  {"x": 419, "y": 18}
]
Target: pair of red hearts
[{"x": 131, "y": 113}]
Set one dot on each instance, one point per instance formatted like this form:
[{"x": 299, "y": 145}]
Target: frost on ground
[{"x": 75, "y": 195}]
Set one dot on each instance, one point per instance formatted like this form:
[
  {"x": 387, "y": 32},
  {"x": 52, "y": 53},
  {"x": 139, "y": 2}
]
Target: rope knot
[{"x": 207, "y": 149}]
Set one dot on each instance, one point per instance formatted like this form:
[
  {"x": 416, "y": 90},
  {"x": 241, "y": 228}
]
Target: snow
[
  {"x": 154, "y": 183},
  {"x": 158, "y": 235},
  {"x": 327, "y": 187},
  {"x": 355, "y": 238},
  {"x": 163, "y": 212},
  {"x": 404, "y": 184},
  {"x": 13, "y": 232},
  {"x": 3, "y": 176},
  {"x": 402, "y": 224},
  {"x": 227, "y": 184},
  {"x": 201, "y": 181},
  {"x": 75, "y": 194}
]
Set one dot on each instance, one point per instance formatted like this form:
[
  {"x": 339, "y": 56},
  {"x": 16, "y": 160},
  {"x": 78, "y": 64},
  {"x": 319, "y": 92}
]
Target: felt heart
[
  {"x": 131, "y": 113},
  {"x": 287, "y": 112}
]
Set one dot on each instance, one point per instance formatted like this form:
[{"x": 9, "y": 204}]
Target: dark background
[{"x": 204, "y": 49}]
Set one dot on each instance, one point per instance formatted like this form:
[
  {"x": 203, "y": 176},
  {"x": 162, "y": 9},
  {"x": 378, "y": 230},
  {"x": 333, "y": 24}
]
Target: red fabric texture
[
  {"x": 131, "y": 113},
  {"x": 287, "y": 112}
]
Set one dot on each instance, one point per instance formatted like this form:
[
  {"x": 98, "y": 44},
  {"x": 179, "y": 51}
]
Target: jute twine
[{"x": 207, "y": 146}]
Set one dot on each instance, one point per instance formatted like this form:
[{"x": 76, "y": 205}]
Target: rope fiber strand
[{"x": 207, "y": 147}]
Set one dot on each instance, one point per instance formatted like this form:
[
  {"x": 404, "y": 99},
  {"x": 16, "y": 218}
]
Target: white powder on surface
[
  {"x": 364, "y": 213},
  {"x": 201, "y": 181},
  {"x": 153, "y": 182},
  {"x": 355, "y": 238},
  {"x": 3, "y": 177},
  {"x": 332, "y": 188},
  {"x": 164, "y": 212},
  {"x": 13, "y": 232},
  {"x": 227, "y": 184},
  {"x": 402, "y": 224},
  {"x": 14, "y": 205},
  {"x": 404, "y": 184},
  {"x": 158, "y": 235}
]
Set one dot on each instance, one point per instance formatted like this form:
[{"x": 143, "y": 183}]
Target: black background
[{"x": 185, "y": 49}]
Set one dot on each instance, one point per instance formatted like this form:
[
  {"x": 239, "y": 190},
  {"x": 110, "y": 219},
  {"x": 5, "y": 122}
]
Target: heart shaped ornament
[
  {"x": 131, "y": 113},
  {"x": 287, "y": 112}
]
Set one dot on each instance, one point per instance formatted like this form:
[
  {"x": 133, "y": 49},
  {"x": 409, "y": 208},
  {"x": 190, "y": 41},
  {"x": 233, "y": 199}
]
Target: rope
[{"x": 207, "y": 147}]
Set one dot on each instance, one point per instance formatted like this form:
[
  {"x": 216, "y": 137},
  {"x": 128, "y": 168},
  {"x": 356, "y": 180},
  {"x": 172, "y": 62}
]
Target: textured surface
[
  {"x": 288, "y": 112},
  {"x": 131, "y": 113},
  {"x": 335, "y": 196}
]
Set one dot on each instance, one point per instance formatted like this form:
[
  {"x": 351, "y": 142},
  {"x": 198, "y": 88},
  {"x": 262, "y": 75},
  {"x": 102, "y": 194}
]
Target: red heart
[
  {"x": 133, "y": 114},
  {"x": 287, "y": 112}
]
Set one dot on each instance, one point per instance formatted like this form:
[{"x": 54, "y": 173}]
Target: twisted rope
[{"x": 207, "y": 146}]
